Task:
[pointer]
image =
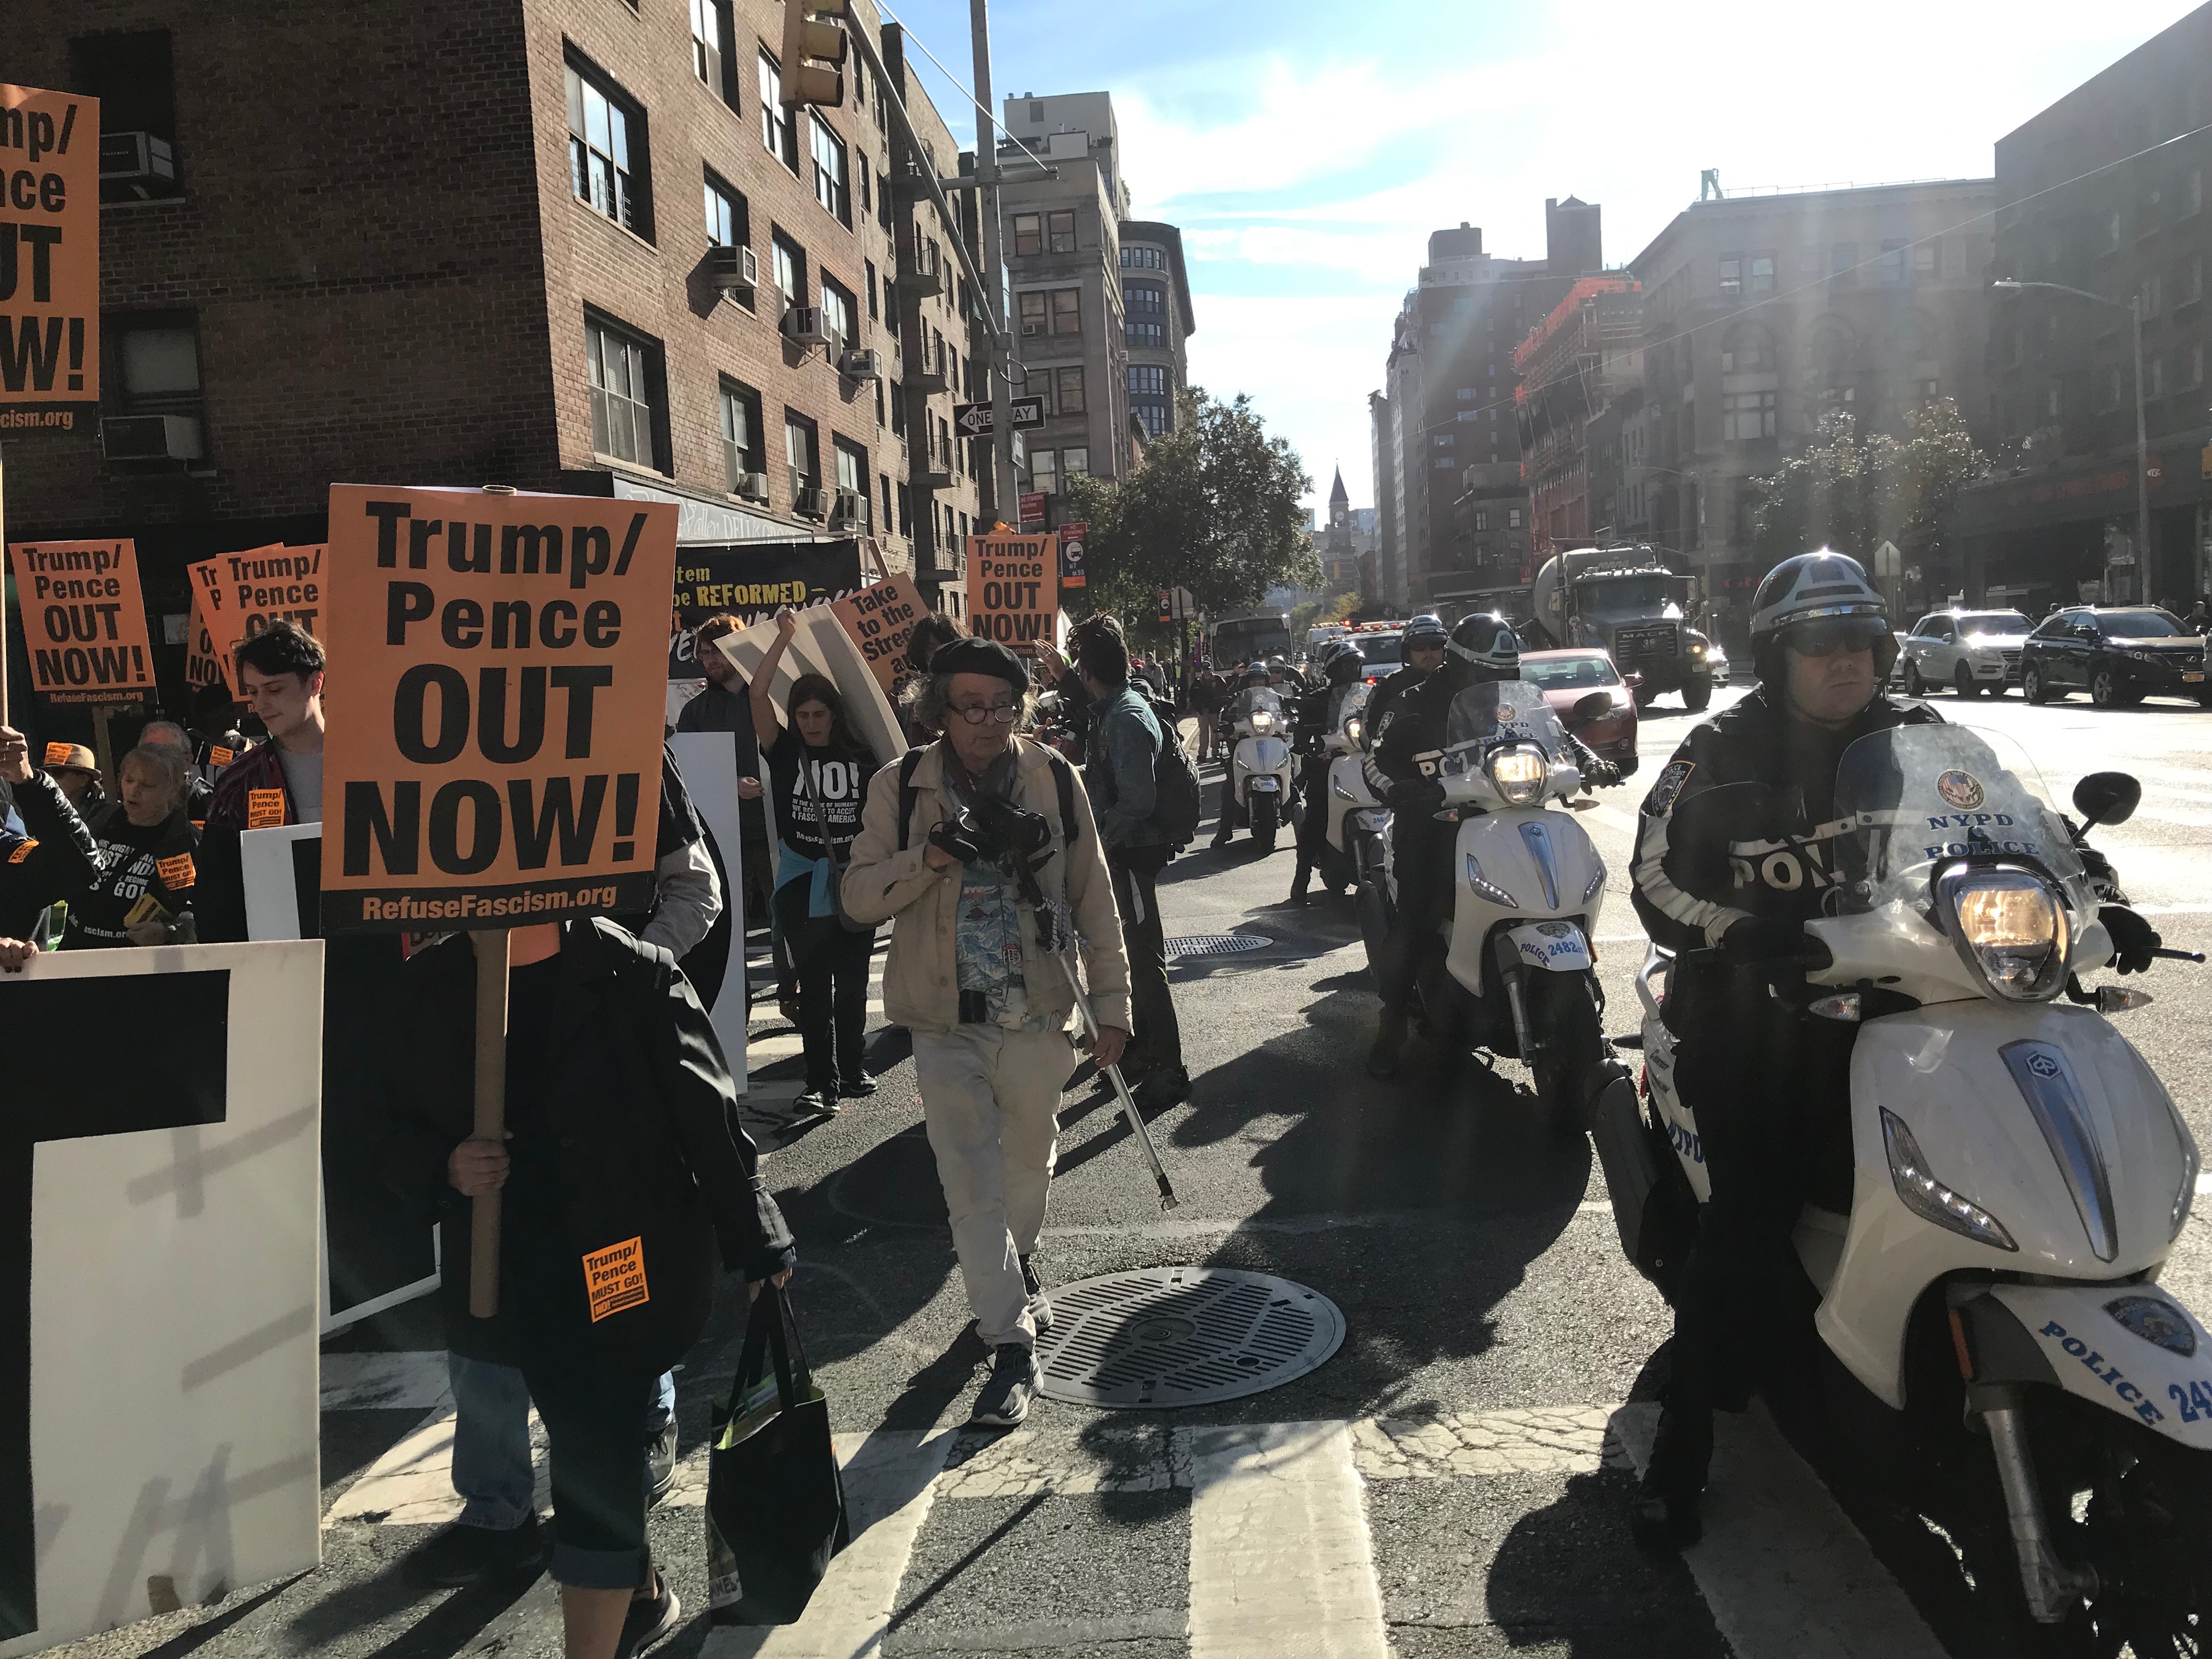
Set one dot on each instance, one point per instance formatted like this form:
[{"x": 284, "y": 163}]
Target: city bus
[{"x": 1254, "y": 636}]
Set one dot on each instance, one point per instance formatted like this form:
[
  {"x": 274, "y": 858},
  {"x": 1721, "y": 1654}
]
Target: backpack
[{"x": 1175, "y": 808}]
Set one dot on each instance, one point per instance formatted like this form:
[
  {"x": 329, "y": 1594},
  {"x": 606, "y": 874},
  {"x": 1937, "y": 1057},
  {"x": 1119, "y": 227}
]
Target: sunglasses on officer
[{"x": 1827, "y": 636}]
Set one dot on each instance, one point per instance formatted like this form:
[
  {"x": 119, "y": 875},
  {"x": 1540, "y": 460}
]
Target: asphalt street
[{"x": 1452, "y": 1481}]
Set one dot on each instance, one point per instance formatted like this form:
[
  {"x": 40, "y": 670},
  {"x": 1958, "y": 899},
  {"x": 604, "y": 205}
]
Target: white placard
[
  {"x": 272, "y": 889},
  {"x": 173, "y": 1426},
  {"x": 821, "y": 646}
]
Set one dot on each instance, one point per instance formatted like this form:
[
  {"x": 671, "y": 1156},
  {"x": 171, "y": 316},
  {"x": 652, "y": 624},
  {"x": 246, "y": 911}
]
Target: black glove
[
  {"x": 1763, "y": 939},
  {"x": 1413, "y": 794},
  {"x": 957, "y": 836},
  {"x": 2133, "y": 938},
  {"x": 1600, "y": 773}
]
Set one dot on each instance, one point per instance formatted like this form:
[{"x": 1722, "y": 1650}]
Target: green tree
[
  {"x": 1214, "y": 508},
  {"x": 1852, "y": 493}
]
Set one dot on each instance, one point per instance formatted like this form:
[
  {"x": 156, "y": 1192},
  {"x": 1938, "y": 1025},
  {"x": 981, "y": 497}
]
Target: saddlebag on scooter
[{"x": 1652, "y": 1204}]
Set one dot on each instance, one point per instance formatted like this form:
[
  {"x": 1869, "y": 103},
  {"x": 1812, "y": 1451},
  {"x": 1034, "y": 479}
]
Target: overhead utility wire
[
  {"x": 1807, "y": 288},
  {"x": 955, "y": 80}
]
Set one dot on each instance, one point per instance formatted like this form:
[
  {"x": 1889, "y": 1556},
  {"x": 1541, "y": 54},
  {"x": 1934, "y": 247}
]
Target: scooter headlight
[
  {"x": 1262, "y": 721},
  {"x": 1926, "y": 1196},
  {"x": 1520, "y": 774},
  {"x": 1352, "y": 728},
  {"x": 2009, "y": 927}
]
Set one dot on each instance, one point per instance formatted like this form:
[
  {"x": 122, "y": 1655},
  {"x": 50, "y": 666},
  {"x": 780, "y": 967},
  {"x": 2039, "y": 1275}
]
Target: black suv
[{"x": 2120, "y": 654}]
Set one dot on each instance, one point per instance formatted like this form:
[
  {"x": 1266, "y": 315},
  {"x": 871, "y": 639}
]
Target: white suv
[{"x": 1970, "y": 651}]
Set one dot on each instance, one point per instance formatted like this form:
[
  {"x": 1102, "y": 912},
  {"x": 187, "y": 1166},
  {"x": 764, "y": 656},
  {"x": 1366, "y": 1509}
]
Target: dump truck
[{"x": 1624, "y": 601}]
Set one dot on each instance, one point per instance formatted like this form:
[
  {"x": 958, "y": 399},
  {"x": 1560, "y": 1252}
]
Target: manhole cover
[
  {"x": 1214, "y": 944},
  {"x": 1182, "y": 1336}
]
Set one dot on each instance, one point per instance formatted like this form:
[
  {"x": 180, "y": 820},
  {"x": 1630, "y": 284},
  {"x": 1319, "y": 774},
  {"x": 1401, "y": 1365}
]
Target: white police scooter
[
  {"x": 1359, "y": 825},
  {"x": 1258, "y": 776},
  {"x": 1518, "y": 977},
  {"x": 2018, "y": 1177}
]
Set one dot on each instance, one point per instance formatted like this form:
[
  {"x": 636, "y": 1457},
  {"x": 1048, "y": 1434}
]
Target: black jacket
[
  {"x": 636, "y": 1138},
  {"x": 1412, "y": 745},
  {"x": 1739, "y": 822},
  {"x": 1382, "y": 705},
  {"x": 56, "y": 857}
]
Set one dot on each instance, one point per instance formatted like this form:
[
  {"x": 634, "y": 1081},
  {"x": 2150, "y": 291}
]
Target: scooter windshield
[
  {"x": 1497, "y": 712},
  {"x": 1916, "y": 797},
  {"x": 1259, "y": 702}
]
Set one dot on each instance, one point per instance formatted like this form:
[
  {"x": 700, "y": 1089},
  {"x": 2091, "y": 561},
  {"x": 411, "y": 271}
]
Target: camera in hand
[{"x": 994, "y": 831}]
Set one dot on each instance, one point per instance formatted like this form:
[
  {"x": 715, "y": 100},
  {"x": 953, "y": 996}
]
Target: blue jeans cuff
[
  {"x": 495, "y": 1514},
  {"x": 622, "y": 1570}
]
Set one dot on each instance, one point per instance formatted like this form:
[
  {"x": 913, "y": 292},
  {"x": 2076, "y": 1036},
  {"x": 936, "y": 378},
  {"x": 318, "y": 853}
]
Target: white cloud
[{"x": 1619, "y": 107}]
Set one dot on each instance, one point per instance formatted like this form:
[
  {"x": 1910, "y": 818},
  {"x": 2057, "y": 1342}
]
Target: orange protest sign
[
  {"x": 879, "y": 617},
  {"x": 236, "y": 595},
  {"x": 1013, "y": 588},
  {"x": 84, "y": 620},
  {"x": 500, "y": 673},
  {"x": 207, "y": 663},
  {"x": 49, "y": 259},
  {"x": 614, "y": 1278}
]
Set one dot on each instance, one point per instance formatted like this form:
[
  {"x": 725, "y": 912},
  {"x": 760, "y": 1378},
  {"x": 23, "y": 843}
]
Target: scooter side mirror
[
  {"x": 1593, "y": 706},
  {"x": 2107, "y": 798}
]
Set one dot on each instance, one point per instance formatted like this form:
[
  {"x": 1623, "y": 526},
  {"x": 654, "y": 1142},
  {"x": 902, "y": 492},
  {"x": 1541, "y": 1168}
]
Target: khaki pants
[{"x": 989, "y": 1097}]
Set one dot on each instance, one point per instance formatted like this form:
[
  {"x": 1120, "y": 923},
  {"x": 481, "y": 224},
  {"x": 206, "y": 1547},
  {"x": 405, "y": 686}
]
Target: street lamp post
[{"x": 2133, "y": 306}]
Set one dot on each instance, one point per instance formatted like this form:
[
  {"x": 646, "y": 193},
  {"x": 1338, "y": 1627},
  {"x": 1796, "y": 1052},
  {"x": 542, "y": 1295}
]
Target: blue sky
[{"x": 1308, "y": 148}]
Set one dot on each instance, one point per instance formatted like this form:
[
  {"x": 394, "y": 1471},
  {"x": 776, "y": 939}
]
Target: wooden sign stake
[{"x": 491, "y": 947}]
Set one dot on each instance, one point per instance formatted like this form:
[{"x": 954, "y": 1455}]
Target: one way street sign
[{"x": 973, "y": 420}]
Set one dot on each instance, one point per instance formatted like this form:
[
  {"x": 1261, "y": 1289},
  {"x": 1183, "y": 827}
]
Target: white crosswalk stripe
[{"x": 1281, "y": 1558}]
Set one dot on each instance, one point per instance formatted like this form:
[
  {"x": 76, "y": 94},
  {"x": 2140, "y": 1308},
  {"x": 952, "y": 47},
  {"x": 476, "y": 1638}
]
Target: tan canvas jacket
[{"x": 882, "y": 884}]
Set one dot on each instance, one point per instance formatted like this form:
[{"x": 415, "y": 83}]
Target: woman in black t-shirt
[
  {"x": 146, "y": 847},
  {"x": 818, "y": 772}
]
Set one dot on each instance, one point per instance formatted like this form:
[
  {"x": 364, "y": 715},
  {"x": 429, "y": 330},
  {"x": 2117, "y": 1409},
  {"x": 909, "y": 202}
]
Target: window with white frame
[
  {"x": 1075, "y": 463},
  {"x": 1067, "y": 389},
  {"x": 600, "y": 155},
  {"x": 837, "y": 311},
  {"x": 1044, "y": 470},
  {"x": 741, "y": 432},
  {"x": 789, "y": 265},
  {"x": 726, "y": 215},
  {"x": 622, "y": 376},
  {"x": 710, "y": 48},
  {"x": 776, "y": 133},
  {"x": 830, "y": 166}
]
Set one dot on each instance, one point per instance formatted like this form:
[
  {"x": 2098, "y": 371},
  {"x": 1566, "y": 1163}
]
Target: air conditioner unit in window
[
  {"x": 141, "y": 163},
  {"x": 849, "y": 510},
  {"x": 808, "y": 501},
  {"x": 150, "y": 438},
  {"x": 803, "y": 324},
  {"x": 859, "y": 365},
  {"x": 753, "y": 486},
  {"x": 735, "y": 270},
  {"x": 1031, "y": 328}
]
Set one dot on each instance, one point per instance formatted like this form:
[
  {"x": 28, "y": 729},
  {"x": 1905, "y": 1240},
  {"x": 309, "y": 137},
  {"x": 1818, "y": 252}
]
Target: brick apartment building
[
  {"x": 2101, "y": 192},
  {"x": 475, "y": 243},
  {"x": 1763, "y": 311},
  {"x": 1584, "y": 357},
  {"x": 1447, "y": 399}
]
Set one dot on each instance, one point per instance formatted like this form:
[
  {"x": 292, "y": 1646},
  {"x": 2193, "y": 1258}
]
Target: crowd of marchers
[{"x": 981, "y": 849}]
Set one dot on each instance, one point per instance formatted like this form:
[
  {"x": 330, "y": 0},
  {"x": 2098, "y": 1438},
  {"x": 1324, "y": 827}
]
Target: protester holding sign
[
  {"x": 146, "y": 849},
  {"x": 47, "y": 853},
  {"x": 819, "y": 770},
  {"x": 624, "y": 1171},
  {"x": 280, "y": 671}
]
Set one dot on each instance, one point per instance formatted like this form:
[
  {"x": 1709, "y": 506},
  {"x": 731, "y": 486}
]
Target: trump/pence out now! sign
[
  {"x": 84, "y": 620},
  {"x": 1013, "y": 589},
  {"x": 498, "y": 675}
]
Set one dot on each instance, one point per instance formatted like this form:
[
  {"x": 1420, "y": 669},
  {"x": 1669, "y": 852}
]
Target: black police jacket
[
  {"x": 1704, "y": 859},
  {"x": 1412, "y": 747},
  {"x": 630, "y": 1151},
  {"x": 1382, "y": 705}
]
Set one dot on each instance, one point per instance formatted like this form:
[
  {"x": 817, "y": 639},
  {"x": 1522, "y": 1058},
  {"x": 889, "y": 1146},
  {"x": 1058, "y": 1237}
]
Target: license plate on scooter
[{"x": 1557, "y": 947}]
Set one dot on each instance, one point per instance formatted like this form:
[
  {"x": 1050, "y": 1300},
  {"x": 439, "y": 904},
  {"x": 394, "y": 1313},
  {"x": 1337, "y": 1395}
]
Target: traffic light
[{"x": 808, "y": 47}]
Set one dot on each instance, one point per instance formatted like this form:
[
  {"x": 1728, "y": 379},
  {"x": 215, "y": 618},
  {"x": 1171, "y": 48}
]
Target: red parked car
[{"x": 1569, "y": 676}]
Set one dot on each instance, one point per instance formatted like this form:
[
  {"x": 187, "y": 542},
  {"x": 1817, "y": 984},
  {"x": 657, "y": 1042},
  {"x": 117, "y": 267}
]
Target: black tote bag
[{"x": 775, "y": 1503}]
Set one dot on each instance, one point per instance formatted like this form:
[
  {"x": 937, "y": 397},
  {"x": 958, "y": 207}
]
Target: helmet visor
[{"x": 1824, "y": 636}]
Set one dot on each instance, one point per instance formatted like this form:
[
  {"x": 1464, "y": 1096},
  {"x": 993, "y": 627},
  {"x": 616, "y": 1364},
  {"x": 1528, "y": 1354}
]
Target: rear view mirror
[
  {"x": 1591, "y": 707},
  {"x": 2107, "y": 798}
]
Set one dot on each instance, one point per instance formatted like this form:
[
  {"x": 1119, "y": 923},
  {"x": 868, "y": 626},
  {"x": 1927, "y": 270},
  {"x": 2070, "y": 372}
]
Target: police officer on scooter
[
  {"x": 1735, "y": 853},
  {"x": 1421, "y": 647},
  {"x": 1403, "y": 771},
  {"x": 1319, "y": 713}
]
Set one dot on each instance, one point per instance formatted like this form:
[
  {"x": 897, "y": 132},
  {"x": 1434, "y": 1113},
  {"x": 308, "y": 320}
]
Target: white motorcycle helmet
[{"x": 1813, "y": 588}]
